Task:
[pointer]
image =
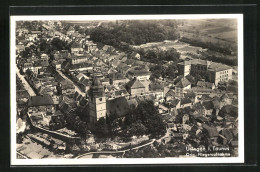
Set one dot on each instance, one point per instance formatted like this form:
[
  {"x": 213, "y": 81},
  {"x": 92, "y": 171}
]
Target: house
[
  {"x": 208, "y": 105},
  {"x": 108, "y": 48},
  {"x": 117, "y": 79},
  {"x": 70, "y": 30},
  {"x": 226, "y": 136},
  {"x": 135, "y": 55},
  {"x": 81, "y": 67},
  {"x": 211, "y": 131},
  {"x": 67, "y": 104},
  {"x": 197, "y": 110},
  {"x": 19, "y": 48},
  {"x": 229, "y": 112},
  {"x": 79, "y": 58},
  {"x": 22, "y": 96},
  {"x": 66, "y": 87},
  {"x": 76, "y": 48},
  {"x": 157, "y": 88},
  {"x": 185, "y": 102},
  {"x": 84, "y": 84},
  {"x": 123, "y": 68},
  {"x": 43, "y": 103},
  {"x": 226, "y": 99},
  {"x": 121, "y": 93},
  {"x": 33, "y": 35},
  {"x": 170, "y": 95},
  {"x": 105, "y": 81},
  {"x": 135, "y": 87},
  {"x": 181, "y": 87},
  {"x": 146, "y": 84},
  {"x": 139, "y": 74},
  {"x": 205, "y": 85},
  {"x": 57, "y": 63}
]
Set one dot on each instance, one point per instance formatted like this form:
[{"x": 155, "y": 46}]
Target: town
[{"x": 79, "y": 95}]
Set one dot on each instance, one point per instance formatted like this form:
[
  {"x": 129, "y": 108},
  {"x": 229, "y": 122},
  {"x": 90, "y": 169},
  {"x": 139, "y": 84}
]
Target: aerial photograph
[{"x": 158, "y": 88}]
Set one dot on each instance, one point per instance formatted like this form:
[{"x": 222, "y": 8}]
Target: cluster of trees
[
  {"x": 134, "y": 33},
  {"x": 54, "y": 45},
  {"x": 156, "y": 55},
  {"x": 163, "y": 71},
  {"x": 75, "y": 123},
  {"x": 30, "y": 25},
  {"x": 143, "y": 120},
  {"x": 57, "y": 123},
  {"x": 157, "y": 150}
]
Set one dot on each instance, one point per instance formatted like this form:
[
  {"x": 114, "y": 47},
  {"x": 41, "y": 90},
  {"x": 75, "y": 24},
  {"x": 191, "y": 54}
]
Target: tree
[
  {"x": 149, "y": 115},
  {"x": 101, "y": 128},
  {"x": 137, "y": 129},
  {"x": 57, "y": 44}
]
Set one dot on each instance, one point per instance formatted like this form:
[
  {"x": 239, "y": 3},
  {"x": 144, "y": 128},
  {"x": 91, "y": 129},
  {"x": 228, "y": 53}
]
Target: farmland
[{"x": 218, "y": 32}]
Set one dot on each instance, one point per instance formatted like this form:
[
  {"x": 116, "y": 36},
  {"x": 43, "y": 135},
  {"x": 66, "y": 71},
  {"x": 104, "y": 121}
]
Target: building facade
[{"x": 215, "y": 72}]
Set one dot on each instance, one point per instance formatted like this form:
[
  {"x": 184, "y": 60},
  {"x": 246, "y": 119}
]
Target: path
[
  {"x": 25, "y": 83},
  {"x": 114, "y": 152}
]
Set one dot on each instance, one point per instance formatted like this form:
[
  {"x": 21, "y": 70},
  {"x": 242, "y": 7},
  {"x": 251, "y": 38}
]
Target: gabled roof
[
  {"x": 227, "y": 134},
  {"x": 170, "y": 93},
  {"x": 40, "y": 100},
  {"x": 174, "y": 102},
  {"x": 185, "y": 101},
  {"x": 212, "y": 131},
  {"x": 135, "y": 83},
  {"x": 208, "y": 105},
  {"x": 156, "y": 86},
  {"x": 184, "y": 82}
]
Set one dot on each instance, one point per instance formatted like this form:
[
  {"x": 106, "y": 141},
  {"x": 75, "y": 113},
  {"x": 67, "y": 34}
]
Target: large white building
[{"x": 215, "y": 72}]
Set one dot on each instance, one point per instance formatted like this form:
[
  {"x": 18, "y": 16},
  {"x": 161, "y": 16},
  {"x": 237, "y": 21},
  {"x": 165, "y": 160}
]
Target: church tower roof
[{"x": 96, "y": 89}]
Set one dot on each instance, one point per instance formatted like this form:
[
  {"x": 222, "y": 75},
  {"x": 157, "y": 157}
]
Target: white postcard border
[{"x": 239, "y": 159}]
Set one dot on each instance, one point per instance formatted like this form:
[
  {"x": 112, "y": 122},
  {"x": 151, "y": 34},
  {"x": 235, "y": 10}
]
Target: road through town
[{"x": 25, "y": 83}]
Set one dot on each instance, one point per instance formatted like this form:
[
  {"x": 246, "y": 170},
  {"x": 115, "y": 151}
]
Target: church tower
[{"x": 97, "y": 101}]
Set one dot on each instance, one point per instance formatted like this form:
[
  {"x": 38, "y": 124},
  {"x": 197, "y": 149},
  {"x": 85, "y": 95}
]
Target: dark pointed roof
[
  {"x": 96, "y": 82},
  {"x": 135, "y": 83}
]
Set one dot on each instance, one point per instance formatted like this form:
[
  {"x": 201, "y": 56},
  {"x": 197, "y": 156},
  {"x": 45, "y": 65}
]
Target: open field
[
  {"x": 181, "y": 47},
  {"x": 215, "y": 31}
]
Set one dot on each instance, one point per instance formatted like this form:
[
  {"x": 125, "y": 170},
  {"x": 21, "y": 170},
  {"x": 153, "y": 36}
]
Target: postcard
[{"x": 127, "y": 89}]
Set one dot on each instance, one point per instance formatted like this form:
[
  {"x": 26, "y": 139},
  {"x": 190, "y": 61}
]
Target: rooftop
[
  {"x": 135, "y": 83},
  {"x": 40, "y": 100}
]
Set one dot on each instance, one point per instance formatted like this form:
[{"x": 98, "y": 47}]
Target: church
[{"x": 99, "y": 106}]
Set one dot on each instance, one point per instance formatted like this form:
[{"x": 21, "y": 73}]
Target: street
[{"x": 25, "y": 83}]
